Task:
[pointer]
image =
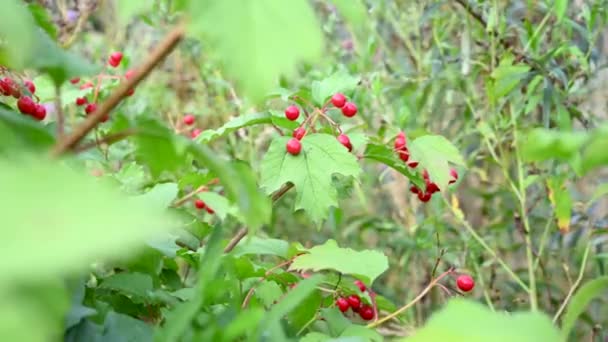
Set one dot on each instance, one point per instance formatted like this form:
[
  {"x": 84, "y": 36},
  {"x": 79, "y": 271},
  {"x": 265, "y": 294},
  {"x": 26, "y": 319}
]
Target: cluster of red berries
[
  {"x": 90, "y": 107},
  {"x": 294, "y": 145},
  {"x": 25, "y": 103},
  {"x": 189, "y": 120},
  {"x": 465, "y": 282},
  {"x": 200, "y": 205},
  {"x": 354, "y": 303}
]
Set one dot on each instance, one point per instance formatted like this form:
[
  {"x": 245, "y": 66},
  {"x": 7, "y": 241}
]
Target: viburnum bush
[{"x": 229, "y": 170}]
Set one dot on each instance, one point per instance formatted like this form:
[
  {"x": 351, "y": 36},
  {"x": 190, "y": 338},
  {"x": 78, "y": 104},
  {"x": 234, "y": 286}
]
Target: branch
[{"x": 165, "y": 47}]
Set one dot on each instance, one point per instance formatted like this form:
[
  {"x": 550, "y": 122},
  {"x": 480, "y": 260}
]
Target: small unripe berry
[
  {"x": 30, "y": 86},
  {"x": 294, "y": 146},
  {"x": 465, "y": 283},
  {"x": 199, "y": 204},
  {"x": 299, "y": 133},
  {"x": 354, "y": 301},
  {"x": 115, "y": 58},
  {"x": 90, "y": 108},
  {"x": 345, "y": 140},
  {"x": 454, "y": 175},
  {"x": 360, "y": 285},
  {"x": 81, "y": 101},
  {"x": 189, "y": 119},
  {"x": 349, "y": 110},
  {"x": 195, "y": 133},
  {"x": 26, "y": 105},
  {"x": 39, "y": 113},
  {"x": 342, "y": 304},
  {"x": 292, "y": 113},
  {"x": 130, "y": 73},
  {"x": 366, "y": 312},
  {"x": 338, "y": 100}
]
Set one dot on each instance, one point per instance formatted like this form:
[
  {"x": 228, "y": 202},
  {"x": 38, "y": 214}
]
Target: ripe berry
[
  {"x": 188, "y": 119},
  {"x": 424, "y": 196},
  {"x": 130, "y": 92},
  {"x": 425, "y": 175},
  {"x": 292, "y": 113},
  {"x": 195, "y": 133},
  {"x": 400, "y": 141},
  {"x": 360, "y": 285},
  {"x": 75, "y": 80},
  {"x": 414, "y": 189},
  {"x": 345, "y": 140},
  {"x": 199, "y": 204},
  {"x": 30, "y": 86},
  {"x": 130, "y": 73},
  {"x": 349, "y": 110},
  {"x": 209, "y": 210},
  {"x": 366, "y": 312},
  {"x": 432, "y": 187},
  {"x": 338, "y": 100},
  {"x": 115, "y": 58},
  {"x": 412, "y": 164},
  {"x": 26, "y": 105},
  {"x": 465, "y": 283},
  {"x": 354, "y": 301},
  {"x": 6, "y": 86},
  {"x": 404, "y": 155},
  {"x": 81, "y": 101},
  {"x": 90, "y": 108},
  {"x": 40, "y": 113},
  {"x": 299, "y": 133},
  {"x": 454, "y": 175},
  {"x": 293, "y": 146},
  {"x": 342, "y": 304}
]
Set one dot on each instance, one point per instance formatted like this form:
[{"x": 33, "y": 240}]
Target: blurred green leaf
[
  {"x": 506, "y": 77},
  {"x": 18, "y": 131},
  {"x": 17, "y": 30},
  {"x": 581, "y": 299},
  {"x": 268, "y": 292},
  {"x": 259, "y": 246},
  {"x": 560, "y": 7},
  {"x": 133, "y": 284},
  {"x": 542, "y": 144},
  {"x": 434, "y": 153},
  {"x": 126, "y": 10},
  {"x": 362, "y": 333},
  {"x": 255, "y": 49},
  {"x": 339, "y": 82},
  {"x": 41, "y": 16},
  {"x": 218, "y": 203},
  {"x": 122, "y": 328},
  {"x": 231, "y": 126},
  {"x": 367, "y": 264},
  {"x": 561, "y": 202}
]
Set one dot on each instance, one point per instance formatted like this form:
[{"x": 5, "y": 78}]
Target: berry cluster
[
  {"x": 23, "y": 93},
  {"x": 354, "y": 303},
  {"x": 349, "y": 109},
  {"x": 114, "y": 61}
]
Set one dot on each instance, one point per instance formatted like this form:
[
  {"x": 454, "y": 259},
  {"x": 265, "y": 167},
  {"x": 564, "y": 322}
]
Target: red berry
[
  {"x": 432, "y": 187},
  {"x": 30, "y": 86},
  {"x": 40, "y": 112},
  {"x": 294, "y": 146},
  {"x": 195, "y": 133},
  {"x": 345, "y": 140},
  {"x": 199, "y": 204},
  {"x": 130, "y": 92},
  {"x": 26, "y": 105},
  {"x": 366, "y": 312},
  {"x": 189, "y": 119},
  {"x": 349, "y": 110},
  {"x": 454, "y": 175},
  {"x": 354, "y": 301},
  {"x": 86, "y": 85},
  {"x": 299, "y": 133},
  {"x": 81, "y": 101},
  {"x": 115, "y": 58},
  {"x": 6, "y": 86},
  {"x": 414, "y": 189},
  {"x": 404, "y": 155},
  {"x": 412, "y": 164},
  {"x": 342, "y": 304},
  {"x": 360, "y": 285},
  {"x": 130, "y": 73},
  {"x": 75, "y": 80},
  {"x": 400, "y": 141},
  {"x": 292, "y": 113},
  {"x": 465, "y": 283},
  {"x": 425, "y": 175},
  {"x": 424, "y": 196},
  {"x": 209, "y": 210},
  {"x": 338, "y": 100},
  {"x": 90, "y": 108}
]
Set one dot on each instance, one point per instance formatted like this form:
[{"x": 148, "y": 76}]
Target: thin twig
[
  {"x": 163, "y": 49},
  {"x": 179, "y": 202},
  {"x": 108, "y": 139},
  {"x": 60, "y": 119},
  {"x": 581, "y": 273}
]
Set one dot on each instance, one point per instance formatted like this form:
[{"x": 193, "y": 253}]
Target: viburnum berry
[
  {"x": 342, "y": 304},
  {"x": 86, "y": 85},
  {"x": 424, "y": 196},
  {"x": 412, "y": 164},
  {"x": 81, "y": 101},
  {"x": 6, "y": 85},
  {"x": 30, "y": 86},
  {"x": 75, "y": 80},
  {"x": 26, "y": 105},
  {"x": 299, "y": 133},
  {"x": 115, "y": 58},
  {"x": 349, "y": 109},
  {"x": 188, "y": 119},
  {"x": 292, "y": 113},
  {"x": 465, "y": 283},
  {"x": 404, "y": 155},
  {"x": 90, "y": 108},
  {"x": 414, "y": 189},
  {"x": 454, "y": 175},
  {"x": 209, "y": 210},
  {"x": 338, "y": 100},
  {"x": 195, "y": 133},
  {"x": 354, "y": 301},
  {"x": 400, "y": 141},
  {"x": 366, "y": 312},
  {"x": 345, "y": 140},
  {"x": 294, "y": 146},
  {"x": 360, "y": 285},
  {"x": 199, "y": 204},
  {"x": 39, "y": 113},
  {"x": 130, "y": 73},
  {"x": 432, "y": 187}
]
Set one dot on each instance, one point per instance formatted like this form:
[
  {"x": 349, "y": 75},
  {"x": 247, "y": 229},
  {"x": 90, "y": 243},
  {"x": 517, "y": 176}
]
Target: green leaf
[
  {"x": 339, "y": 82},
  {"x": 259, "y": 246},
  {"x": 255, "y": 49},
  {"x": 464, "y": 320},
  {"x": 160, "y": 197},
  {"x": 311, "y": 171},
  {"x": 560, "y": 7},
  {"x": 41, "y": 16},
  {"x": 581, "y": 299},
  {"x": 362, "y": 332},
  {"x": 315, "y": 337},
  {"x": 336, "y": 321},
  {"x": 594, "y": 153},
  {"x": 122, "y": 328},
  {"x": 307, "y": 310},
  {"x": 386, "y": 156},
  {"x": 559, "y": 197},
  {"x": 434, "y": 153},
  {"x": 268, "y": 292},
  {"x": 218, "y": 203},
  {"x": 156, "y": 148},
  {"x": 542, "y": 144},
  {"x": 126, "y": 10},
  {"x": 328, "y": 256},
  {"x": 18, "y": 131},
  {"x": 86, "y": 220},
  {"x": 237, "y": 123},
  {"x": 135, "y": 284},
  {"x": 506, "y": 77}
]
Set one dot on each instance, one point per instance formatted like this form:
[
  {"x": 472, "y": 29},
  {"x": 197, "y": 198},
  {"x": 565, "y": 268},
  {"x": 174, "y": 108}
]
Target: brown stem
[
  {"x": 164, "y": 48},
  {"x": 187, "y": 197},
  {"x": 59, "y": 112},
  {"x": 108, "y": 139}
]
